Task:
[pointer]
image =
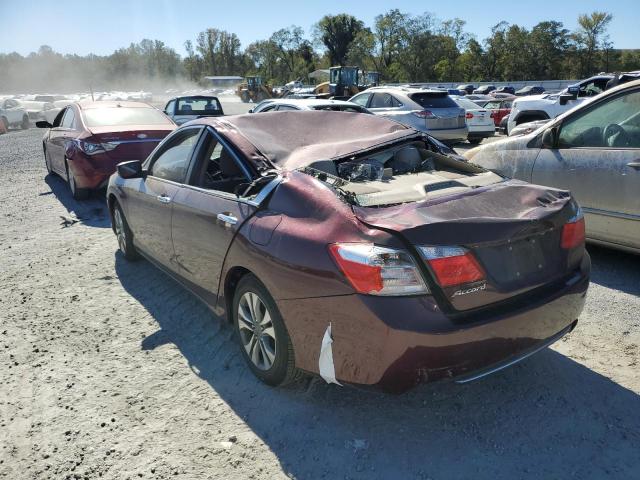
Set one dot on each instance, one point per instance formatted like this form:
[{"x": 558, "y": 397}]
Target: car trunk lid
[
  {"x": 512, "y": 230},
  {"x": 129, "y": 143}
]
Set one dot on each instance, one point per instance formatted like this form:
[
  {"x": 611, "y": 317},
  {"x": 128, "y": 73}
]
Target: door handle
[
  {"x": 227, "y": 218},
  {"x": 163, "y": 198},
  {"x": 635, "y": 165}
]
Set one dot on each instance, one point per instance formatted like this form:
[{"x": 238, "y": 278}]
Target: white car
[
  {"x": 13, "y": 114},
  {"x": 592, "y": 150},
  {"x": 547, "y": 106},
  {"x": 281, "y": 104},
  {"x": 52, "y": 109},
  {"x": 479, "y": 120},
  {"x": 427, "y": 110}
]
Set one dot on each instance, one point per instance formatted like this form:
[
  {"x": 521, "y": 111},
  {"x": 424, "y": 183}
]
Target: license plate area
[{"x": 525, "y": 262}]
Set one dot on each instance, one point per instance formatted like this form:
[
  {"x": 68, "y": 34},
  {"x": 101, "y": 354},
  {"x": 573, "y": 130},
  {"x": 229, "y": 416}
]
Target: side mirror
[
  {"x": 130, "y": 169},
  {"x": 43, "y": 124},
  {"x": 565, "y": 97},
  {"x": 250, "y": 111},
  {"x": 549, "y": 138}
]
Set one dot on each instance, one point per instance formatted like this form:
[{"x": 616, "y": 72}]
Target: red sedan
[
  {"x": 88, "y": 139},
  {"x": 499, "y": 109}
]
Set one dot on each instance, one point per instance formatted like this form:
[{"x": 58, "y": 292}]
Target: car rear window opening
[
  {"x": 113, "y": 116},
  {"x": 433, "y": 100}
]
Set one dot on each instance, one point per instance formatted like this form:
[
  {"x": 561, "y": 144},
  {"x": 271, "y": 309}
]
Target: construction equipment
[
  {"x": 344, "y": 82},
  {"x": 253, "y": 89}
]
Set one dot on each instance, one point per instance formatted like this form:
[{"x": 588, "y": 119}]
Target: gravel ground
[{"x": 112, "y": 370}]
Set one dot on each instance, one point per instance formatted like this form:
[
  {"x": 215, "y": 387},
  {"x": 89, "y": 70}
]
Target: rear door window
[
  {"x": 381, "y": 100},
  {"x": 282, "y": 108},
  {"x": 433, "y": 100}
]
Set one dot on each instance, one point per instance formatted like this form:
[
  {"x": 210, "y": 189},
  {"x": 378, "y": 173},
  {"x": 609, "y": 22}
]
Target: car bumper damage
[{"x": 397, "y": 343}]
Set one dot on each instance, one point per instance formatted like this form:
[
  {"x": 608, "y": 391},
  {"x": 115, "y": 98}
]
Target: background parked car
[
  {"x": 52, "y": 109},
  {"x": 479, "y": 120},
  {"x": 504, "y": 89},
  {"x": 431, "y": 111},
  {"x": 484, "y": 89},
  {"x": 479, "y": 99},
  {"x": 88, "y": 139},
  {"x": 594, "y": 151},
  {"x": 184, "y": 109},
  {"x": 546, "y": 106},
  {"x": 499, "y": 108},
  {"x": 467, "y": 88},
  {"x": 328, "y": 254},
  {"x": 13, "y": 114},
  {"x": 529, "y": 90},
  {"x": 272, "y": 105}
]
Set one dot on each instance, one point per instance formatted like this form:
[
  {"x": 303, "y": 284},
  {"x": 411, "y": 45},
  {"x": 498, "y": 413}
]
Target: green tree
[
  {"x": 337, "y": 33},
  {"x": 590, "y": 37}
]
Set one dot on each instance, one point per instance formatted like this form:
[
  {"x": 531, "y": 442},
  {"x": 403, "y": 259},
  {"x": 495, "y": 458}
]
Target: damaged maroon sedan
[{"x": 354, "y": 247}]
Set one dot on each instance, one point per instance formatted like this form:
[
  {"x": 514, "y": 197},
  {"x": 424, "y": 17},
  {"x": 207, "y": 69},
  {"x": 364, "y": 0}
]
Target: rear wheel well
[
  {"x": 531, "y": 117},
  {"x": 230, "y": 284}
]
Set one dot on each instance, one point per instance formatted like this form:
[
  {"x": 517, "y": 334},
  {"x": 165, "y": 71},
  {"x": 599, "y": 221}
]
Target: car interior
[
  {"x": 403, "y": 173},
  {"x": 218, "y": 169}
]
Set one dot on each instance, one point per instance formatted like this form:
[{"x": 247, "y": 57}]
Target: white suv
[
  {"x": 547, "y": 106},
  {"x": 12, "y": 114},
  {"x": 431, "y": 111}
]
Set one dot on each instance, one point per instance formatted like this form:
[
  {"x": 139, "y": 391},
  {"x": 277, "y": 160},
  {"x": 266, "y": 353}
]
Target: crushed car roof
[{"x": 291, "y": 140}]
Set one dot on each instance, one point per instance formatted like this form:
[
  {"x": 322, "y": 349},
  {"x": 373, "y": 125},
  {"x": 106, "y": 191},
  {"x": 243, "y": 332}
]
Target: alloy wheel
[{"x": 256, "y": 331}]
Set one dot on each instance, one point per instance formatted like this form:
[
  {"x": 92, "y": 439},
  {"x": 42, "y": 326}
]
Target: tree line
[{"x": 402, "y": 47}]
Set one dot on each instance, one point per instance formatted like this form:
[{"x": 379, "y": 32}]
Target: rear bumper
[
  {"x": 449, "y": 134},
  {"x": 396, "y": 343},
  {"x": 482, "y": 133}
]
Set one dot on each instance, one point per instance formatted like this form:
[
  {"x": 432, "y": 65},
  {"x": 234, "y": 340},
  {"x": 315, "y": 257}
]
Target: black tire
[
  {"x": 282, "y": 370},
  {"x": 78, "y": 193},
  {"x": 25, "y": 123},
  {"x": 46, "y": 161},
  {"x": 123, "y": 234},
  {"x": 244, "y": 96},
  {"x": 474, "y": 141}
]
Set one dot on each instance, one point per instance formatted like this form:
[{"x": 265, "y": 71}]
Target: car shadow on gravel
[
  {"x": 91, "y": 212},
  {"x": 547, "y": 417},
  {"x": 615, "y": 269}
]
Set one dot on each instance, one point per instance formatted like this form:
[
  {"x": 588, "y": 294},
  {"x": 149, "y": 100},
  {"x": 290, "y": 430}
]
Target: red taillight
[
  {"x": 378, "y": 270},
  {"x": 469, "y": 115},
  {"x": 425, "y": 114},
  {"x": 573, "y": 234},
  {"x": 452, "y": 265}
]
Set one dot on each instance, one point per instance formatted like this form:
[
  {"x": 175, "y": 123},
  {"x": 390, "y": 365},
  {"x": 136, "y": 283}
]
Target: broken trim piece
[{"x": 325, "y": 362}]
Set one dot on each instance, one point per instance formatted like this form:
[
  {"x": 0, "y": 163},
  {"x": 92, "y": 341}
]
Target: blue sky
[{"x": 94, "y": 26}]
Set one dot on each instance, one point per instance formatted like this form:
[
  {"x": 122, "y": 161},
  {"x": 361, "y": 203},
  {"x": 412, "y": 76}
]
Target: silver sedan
[{"x": 592, "y": 150}]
